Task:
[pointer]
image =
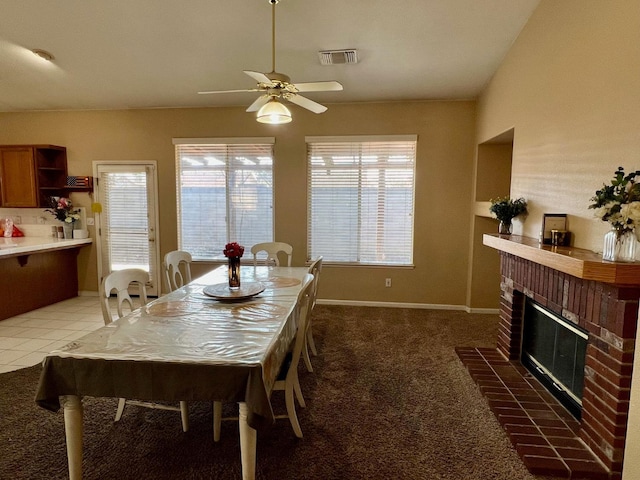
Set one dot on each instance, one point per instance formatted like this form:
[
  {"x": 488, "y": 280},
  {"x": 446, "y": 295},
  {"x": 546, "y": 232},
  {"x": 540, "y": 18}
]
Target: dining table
[{"x": 201, "y": 342}]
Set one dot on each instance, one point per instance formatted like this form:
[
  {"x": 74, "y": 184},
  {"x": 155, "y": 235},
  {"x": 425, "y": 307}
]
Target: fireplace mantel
[{"x": 578, "y": 262}]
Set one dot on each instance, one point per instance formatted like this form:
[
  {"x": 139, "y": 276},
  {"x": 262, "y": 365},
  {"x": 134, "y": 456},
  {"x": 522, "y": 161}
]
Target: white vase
[{"x": 619, "y": 246}]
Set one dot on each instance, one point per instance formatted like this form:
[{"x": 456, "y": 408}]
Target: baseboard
[
  {"x": 365, "y": 303},
  {"x": 489, "y": 311},
  {"x": 425, "y": 306}
]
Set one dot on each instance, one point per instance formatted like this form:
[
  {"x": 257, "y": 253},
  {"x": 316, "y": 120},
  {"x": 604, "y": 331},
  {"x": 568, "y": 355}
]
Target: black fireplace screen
[{"x": 554, "y": 350}]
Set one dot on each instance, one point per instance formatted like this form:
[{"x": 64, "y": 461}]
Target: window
[
  {"x": 361, "y": 192},
  {"x": 225, "y": 194}
]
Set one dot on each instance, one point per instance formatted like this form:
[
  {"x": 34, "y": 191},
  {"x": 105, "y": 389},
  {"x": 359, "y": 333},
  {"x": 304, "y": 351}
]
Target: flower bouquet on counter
[{"x": 62, "y": 209}]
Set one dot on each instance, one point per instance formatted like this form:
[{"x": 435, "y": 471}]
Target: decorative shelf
[{"x": 578, "y": 262}]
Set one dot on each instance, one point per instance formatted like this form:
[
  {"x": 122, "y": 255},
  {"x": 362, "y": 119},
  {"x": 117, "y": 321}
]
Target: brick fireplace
[{"x": 602, "y": 298}]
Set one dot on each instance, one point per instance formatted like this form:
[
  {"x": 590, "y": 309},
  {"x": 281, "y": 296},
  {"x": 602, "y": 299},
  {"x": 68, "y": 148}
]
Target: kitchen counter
[
  {"x": 18, "y": 246},
  {"x": 38, "y": 271}
]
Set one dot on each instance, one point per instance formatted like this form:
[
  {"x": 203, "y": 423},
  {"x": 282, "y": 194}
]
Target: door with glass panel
[{"x": 126, "y": 219}]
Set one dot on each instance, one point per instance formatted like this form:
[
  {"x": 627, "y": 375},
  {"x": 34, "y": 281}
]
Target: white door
[{"x": 126, "y": 198}]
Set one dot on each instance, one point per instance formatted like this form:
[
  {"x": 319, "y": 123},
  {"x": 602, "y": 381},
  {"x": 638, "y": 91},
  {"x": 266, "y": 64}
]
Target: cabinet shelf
[{"x": 31, "y": 174}]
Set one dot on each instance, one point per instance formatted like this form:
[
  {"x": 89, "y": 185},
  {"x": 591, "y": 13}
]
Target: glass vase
[
  {"x": 68, "y": 230},
  {"x": 619, "y": 246},
  {"x": 504, "y": 228},
  {"x": 234, "y": 272}
]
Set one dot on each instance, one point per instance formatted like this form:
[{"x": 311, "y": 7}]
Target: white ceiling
[{"x": 118, "y": 54}]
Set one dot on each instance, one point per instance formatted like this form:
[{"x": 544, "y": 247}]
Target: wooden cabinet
[{"x": 30, "y": 174}]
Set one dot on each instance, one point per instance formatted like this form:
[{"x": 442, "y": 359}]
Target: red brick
[
  {"x": 536, "y": 451},
  {"x": 518, "y": 438},
  {"x": 587, "y": 469},
  {"x": 575, "y": 453},
  {"x": 546, "y": 466}
]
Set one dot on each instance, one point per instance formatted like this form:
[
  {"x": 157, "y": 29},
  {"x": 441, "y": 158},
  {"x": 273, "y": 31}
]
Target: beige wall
[
  {"x": 443, "y": 177},
  {"x": 570, "y": 87}
]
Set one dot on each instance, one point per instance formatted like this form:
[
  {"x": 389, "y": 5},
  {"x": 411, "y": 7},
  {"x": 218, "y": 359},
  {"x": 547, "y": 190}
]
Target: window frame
[
  {"x": 362, "y": 140},
  {"x": 221, "y": 144}
]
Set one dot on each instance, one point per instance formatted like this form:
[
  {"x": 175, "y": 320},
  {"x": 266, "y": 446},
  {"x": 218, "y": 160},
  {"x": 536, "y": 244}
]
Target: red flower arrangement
[{"x": 233, "y": 249}]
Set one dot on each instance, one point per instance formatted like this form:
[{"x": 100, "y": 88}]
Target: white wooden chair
[
  {"x": 272, "y": 249},
  {"x": 314, "y": 269},
  {"x": 120, "y": 281},
  {"x": 287, "y": 379},
  {"x": 177, "y": 269}
]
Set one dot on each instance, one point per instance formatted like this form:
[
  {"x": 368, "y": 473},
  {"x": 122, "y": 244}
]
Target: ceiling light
[
  {"x": 274, "y": 112},
  {"x": 43, "y": 54}
]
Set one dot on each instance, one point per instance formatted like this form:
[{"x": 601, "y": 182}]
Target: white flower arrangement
[{"x": 619, "y": 203}]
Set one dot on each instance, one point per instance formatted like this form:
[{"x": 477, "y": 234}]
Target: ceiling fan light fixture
[{"x": 274, "y": 113}]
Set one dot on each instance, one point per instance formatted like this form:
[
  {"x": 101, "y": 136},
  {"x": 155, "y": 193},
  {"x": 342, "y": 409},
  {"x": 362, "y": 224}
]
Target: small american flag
[{"x": 79, "y": 181}]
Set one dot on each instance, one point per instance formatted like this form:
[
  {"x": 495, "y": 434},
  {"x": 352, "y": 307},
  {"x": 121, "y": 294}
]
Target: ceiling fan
[{"x": 275, "y": 86}]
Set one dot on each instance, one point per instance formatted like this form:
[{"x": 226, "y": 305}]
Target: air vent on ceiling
[{"x": 336, "y": 57}]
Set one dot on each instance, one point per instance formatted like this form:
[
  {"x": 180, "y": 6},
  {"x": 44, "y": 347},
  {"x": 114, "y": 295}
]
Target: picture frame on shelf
[{"x": 552, "y": 221}]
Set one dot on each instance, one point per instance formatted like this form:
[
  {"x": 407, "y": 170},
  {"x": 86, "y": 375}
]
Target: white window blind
[
  {"x": 361, "y": 196},
  {"x": 225, "y": 194},
  {"x": 125, "y": 224}
]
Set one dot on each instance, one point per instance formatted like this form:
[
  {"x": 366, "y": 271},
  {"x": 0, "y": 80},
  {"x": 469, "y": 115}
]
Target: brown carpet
[{"x": 389, "y": 399}]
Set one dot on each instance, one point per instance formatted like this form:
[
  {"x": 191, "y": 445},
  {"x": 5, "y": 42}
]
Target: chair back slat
[
  {"x": 177, "y": 269},
  {"x": 120, "y": 281},
  {"x": 272, "y": 249}
]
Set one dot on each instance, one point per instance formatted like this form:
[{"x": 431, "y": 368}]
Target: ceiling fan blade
[
  {"x": 258, "y": 76},
  {"x": 208, "y": 92},
  {"x": 260, "y": 101},
  {"x": 318, "y": 86},
  {"x": 306, "y": 103}
]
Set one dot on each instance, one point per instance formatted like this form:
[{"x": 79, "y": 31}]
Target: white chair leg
[
  {"x": 121, "y": 404},
  {"x": 298, "y": 390},
  {"x": 310, "y": 341},
  {"x": 184, "y": 413},
  {"x": 305, "y": 357},
  {"x": 217, "y": 420},
  {"x": 291, "y": 409}
]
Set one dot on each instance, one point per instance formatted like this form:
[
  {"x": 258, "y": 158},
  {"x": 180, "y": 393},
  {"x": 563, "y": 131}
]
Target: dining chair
[
  {"x": 177, "y": 269},
  {"x": 272, "y": 249},
  {"x": 121, "y": 281},
  {"x": 287, "y": 379},
  {"x": 314, "y": 269}
]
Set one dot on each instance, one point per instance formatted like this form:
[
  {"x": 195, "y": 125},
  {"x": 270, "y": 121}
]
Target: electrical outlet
[
  {"x": 387, "y": 282},
  {"x": 90, "y": 221}
]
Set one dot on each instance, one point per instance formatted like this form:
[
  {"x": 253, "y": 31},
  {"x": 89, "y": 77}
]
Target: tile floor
[{"x": 25, "y": 339}]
